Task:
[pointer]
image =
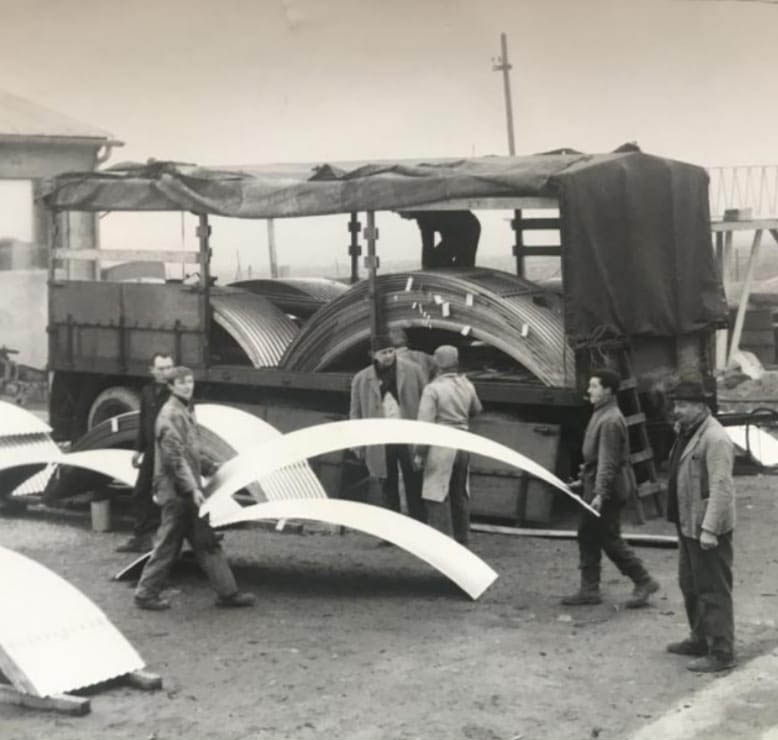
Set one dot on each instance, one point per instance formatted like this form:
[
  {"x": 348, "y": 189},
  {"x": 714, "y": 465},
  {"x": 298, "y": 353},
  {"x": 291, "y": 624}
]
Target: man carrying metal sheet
[
  {"x": 608, "y": 481},
  {"x": 701, "y": 503},
  {"x": 389, "y": 388},
  {"x": 178, "y": 464},
  {"x": 152, "y": 397},
  {"x": 450, "y": 399}
]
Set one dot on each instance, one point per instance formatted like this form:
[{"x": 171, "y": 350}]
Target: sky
[{"x": 252, "y": 81}]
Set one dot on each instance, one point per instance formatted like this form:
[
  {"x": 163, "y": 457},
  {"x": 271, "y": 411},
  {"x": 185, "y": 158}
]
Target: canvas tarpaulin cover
[{"x": 637, "y": 257}]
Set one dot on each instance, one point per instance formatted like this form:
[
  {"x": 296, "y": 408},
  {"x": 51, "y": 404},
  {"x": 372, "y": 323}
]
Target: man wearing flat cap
[
  {"x": 389, "y": 388},
  {"x": 701, "y": 503},
  {"x": 450, "y": 399}
]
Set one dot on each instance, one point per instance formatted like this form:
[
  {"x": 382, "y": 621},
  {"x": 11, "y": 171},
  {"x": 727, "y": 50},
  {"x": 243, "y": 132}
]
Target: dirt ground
[{"x": 358, "y": 642}]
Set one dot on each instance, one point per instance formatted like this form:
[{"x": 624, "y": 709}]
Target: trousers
[
  {"x": 603, "y": 534},
  {"x": 398, "y": 457},
  {"x": 180, "y": 522},
  {"x": 452, "y": 515},
  {"x": 147, "y": 516},
  {"x": 705, "y": 579}
]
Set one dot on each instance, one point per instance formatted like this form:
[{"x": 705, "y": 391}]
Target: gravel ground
[{"x": 358, "y": 642}]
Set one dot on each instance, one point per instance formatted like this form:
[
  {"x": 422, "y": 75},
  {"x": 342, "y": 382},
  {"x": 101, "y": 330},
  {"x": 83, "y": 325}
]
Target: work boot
[
  {"x": 152, "y": 603},
  {"x": 585, "y": 596},
  {"x": 641, "y": 592},
  {"x": 713, "y": 663},
  {"x": 239, "y": 598},
  {"x": 688, "y": 646}
]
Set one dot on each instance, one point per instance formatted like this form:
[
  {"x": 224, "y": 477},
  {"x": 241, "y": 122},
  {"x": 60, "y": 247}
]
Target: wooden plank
[
  {"x": 127, "y": 255},
  {"x": 628, "y": 384},
  {"x": 472, "y": 204},
  {"x": 144, "y": 680},
  {"x": 766, "y": 223},
  {"x": 539, "y": 224},
  {"x": 539, "y": 251},
  {"x": 734, "y": 344},
  {"x": 635, "y": 419},
  {"x": 650, "y": 488},
  {"x": 657, "y": 540},
  {"x": 642, "y": 456},
  {"x": 63, "y": 703}
]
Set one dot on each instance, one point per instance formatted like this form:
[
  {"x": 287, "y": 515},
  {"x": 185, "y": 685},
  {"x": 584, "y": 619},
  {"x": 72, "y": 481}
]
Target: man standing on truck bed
[
  {"x": 152, "y": 396},
  {"x": 459, "y": 232},
  {"x": 178, "y": 467}
]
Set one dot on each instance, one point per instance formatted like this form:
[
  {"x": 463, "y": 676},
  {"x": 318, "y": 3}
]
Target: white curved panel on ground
[
  {"x": 52, "y": 637},
  {"x": 16, "y": 450},
  {"x": 116, "y": 464},
  {"x": 15, "y": 420},
  {"x": 456, "y": 562},
  {"x": 244, "y": 432},
  {"x": 316, "y": 440}
]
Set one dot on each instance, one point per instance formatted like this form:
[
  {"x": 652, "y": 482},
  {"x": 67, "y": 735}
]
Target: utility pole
[
  {"x": 271, "y": 247},
  {"x": 501, "y": 64}
]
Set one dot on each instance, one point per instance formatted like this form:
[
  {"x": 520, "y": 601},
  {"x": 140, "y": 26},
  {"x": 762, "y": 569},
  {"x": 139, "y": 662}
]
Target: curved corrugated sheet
[
  {"x": 52, "y": 637},
  {"x": 261, "y": 330},
  {"x": 298, "y": 296},
  {"x": 516, "y": 316},
  {"x": 20, "y": 472},
  {"x": 239, "y": 431},
  {"x": 14, "y": 421},
  {"x": 224, "y": 432}
]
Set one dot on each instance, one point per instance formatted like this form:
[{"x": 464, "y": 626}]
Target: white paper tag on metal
[
  {"x": 465, "y": 331},
  {"x": 408, "y": 284},
  {"x": 437, "y": 298},
  {"x": 469, "y": 299},
  {"x": 114, "y": 424},
  {"x": 525, "y": 330},
  {"x": 446, "y": 309}
]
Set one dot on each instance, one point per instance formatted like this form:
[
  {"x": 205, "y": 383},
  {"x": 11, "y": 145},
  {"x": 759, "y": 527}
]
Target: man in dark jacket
[
  {"x": 459, "y": 232},
  {"x": 701, "y": 503},
  {"x": 608, "y": 480},
  {"x": 152, "y": 396},
  {"x": 178, "y": 467}
]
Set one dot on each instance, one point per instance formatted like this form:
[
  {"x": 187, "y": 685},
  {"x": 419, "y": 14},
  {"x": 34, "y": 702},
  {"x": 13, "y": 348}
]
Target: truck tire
[{"x": 112, "y": 402}]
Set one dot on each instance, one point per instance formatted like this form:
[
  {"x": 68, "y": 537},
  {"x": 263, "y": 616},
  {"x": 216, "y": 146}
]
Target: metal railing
[{"x": 744, "y": 186}]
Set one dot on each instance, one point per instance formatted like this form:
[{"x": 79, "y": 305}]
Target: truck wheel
[{"x": 112, "y": 402}]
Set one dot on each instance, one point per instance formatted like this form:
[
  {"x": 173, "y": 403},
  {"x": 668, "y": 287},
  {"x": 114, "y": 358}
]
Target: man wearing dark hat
[
  {"x": 450, "y": 399},
  {"x": 389, "y": 388},
  {"x": 701, "y": 503},
  {"x": 403, "y": 351},
  {"x": 608, "y": 481}
]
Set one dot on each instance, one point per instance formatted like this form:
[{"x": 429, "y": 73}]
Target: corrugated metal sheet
[
  {"x": 242, "y": 432},
  {"x": 21, "y": 450},
  {"x": 53, "y": 638},
  {"x": 445, "y": 554},
  {"x": 517, "y": 317},
  {"x": 261, "y": 330},
  {"x": 224, "y": 431},
  {"x": 308, "y": 442},
  {"x": 14, "y": 420}
]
